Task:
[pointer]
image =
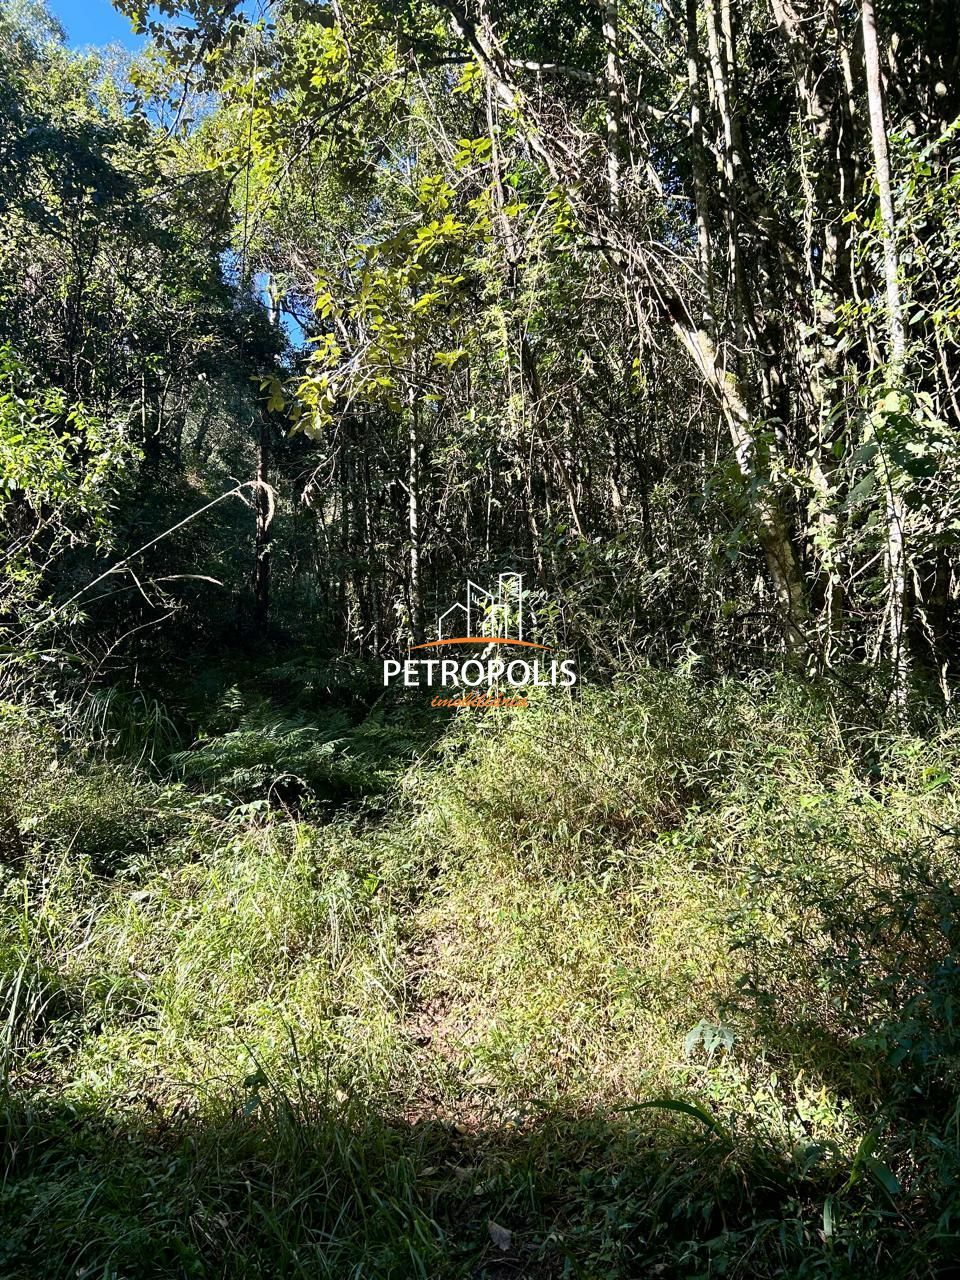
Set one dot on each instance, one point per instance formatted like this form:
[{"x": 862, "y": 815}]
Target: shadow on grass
[{"x": 301, "y": 1189}]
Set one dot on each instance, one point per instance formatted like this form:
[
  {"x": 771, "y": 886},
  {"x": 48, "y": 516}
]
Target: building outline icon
[{"x": 487, "y": 614}]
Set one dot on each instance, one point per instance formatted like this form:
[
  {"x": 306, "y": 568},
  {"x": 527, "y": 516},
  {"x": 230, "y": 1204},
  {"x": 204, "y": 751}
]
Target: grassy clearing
[{"x": 241, "y": 1042}]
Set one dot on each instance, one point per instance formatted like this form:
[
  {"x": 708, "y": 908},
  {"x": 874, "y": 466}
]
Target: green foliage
[
  {"x": 658, "y": 976},
  {"x": 406, "y": 298},
  {"x": 279, "y": 757},
  {"x": 130, "y": 726},
  {"x": 265, "y": 754},
  {"x": 60, "y": 473},
  {"x": 692, "y": 1008},
  {"x": 74, "y": 808}
]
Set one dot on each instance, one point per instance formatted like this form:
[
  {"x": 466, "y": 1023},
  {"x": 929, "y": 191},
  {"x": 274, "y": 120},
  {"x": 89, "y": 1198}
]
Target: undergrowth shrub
[
  {"x": 580, "y": 776},
  {"x": 285, "y": 756},
  {"x": 759, "y": 895},
  {"x": 129, "y": 725},
  {"x": 63, "y": 803},
  {"x": 660, "y": 979}
]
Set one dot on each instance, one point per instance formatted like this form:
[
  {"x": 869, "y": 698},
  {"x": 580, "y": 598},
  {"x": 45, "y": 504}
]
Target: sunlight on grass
[{"x": 667, "y": 891}]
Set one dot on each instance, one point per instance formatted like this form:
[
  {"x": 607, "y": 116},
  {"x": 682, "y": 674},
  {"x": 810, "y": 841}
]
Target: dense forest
[{"x": 317, "y": 314}]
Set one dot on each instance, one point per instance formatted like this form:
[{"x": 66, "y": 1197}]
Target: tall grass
[{"x": 657, "y": 980}]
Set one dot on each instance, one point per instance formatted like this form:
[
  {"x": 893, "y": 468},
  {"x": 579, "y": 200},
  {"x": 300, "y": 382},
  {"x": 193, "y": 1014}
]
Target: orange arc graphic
[{"x": 433, "y": 644}]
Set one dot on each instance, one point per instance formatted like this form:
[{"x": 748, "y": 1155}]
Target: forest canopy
[{"x": 657, "y": 307}]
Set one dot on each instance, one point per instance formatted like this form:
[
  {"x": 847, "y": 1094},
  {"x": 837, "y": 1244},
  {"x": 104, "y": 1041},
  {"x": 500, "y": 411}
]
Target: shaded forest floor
[{"x": 657, "y": 981}]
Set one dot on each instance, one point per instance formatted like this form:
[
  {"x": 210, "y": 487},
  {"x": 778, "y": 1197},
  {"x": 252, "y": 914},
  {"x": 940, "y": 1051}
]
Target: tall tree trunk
[
  {"x": 614, "y": 107},
  {"x": 826, "y": 179},
  {"x": 701, "y": 185},
  {"x": 719, "y": 72},
  {"x": 413, "y": 519},
  {"x": 530, "y": 375},
  {"x": 895, "y": 512},
  {"x": 263, "y": 500},
  {"x": 263, "y": 503}
]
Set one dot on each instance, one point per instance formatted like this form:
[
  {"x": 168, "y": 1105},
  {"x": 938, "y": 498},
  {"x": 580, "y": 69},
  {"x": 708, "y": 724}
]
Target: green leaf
[
  {"x": 882, "y": 1176},
  {"x": 828, "y": 1217},
  {"x": 691, "y": 1109}
]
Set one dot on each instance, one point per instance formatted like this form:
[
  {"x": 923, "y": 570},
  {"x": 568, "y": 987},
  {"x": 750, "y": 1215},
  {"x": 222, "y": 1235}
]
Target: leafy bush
[
  {"x": 282, "y": 757},
  {"x": 59, "y": 471}
]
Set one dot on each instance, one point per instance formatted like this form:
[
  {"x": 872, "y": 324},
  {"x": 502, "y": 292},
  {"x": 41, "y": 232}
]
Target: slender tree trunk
[
  {"x": 721, "y": 86},
  {"x": 614, "y": 107},
  {"x": 531, "y": 381},
  {"x": 506, "y": 228},
  {"x": 371, "y": 534},
  {"x": 701, "y": 185},
  {"x": 825, "y": 176},
  {"x": 895, "y": 512},
  {"x": 881, "y": 160},
  {"x": 413, "y": 518},
  {"x": 263, "y": 501},
  {"x": 264, "y": 516}
]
